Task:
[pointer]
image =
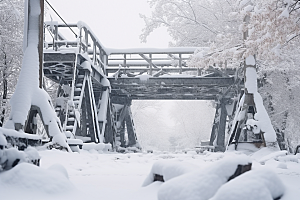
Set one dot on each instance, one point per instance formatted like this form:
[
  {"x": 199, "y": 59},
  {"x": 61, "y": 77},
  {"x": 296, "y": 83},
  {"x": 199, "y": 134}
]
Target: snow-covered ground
[{"x": 90, "y": 175}]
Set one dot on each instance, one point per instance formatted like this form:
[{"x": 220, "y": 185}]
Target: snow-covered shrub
[
  {"x": 19, "y": 139},
  {"x": 107, "y": 147},
  {"x": 32, "y": 155},
  {"x": 266, "y": 153},
  {"x": 3, "y": 142},
  {"x": 89, "y": 146},
  {"x": 9, "y": 158},
  {"x": 59, "y": 142},
  {"x": 288, "y": 158},
  {"x": 202, "y": 184},
  {"x": 253, "y": 185},
  {"x": 168, "y": 169},
  {"x": 27, "y": 177},
  {"x": 100, "y": 146},
  {"x": 96, "y": 148}
]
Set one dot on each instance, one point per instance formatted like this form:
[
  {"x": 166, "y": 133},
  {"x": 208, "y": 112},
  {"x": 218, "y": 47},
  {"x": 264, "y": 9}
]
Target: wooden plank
[
  {"x": 203, "y": 81},
  {"x": 149, "y": 61},
  {"x": 58, "y": 57}
]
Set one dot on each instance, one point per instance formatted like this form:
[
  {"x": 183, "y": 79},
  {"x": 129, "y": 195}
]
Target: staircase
[{"x": 74, "y": 106}]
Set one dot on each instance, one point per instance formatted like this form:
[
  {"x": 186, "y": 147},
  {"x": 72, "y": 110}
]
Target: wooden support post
[
  {"x": 122, "y": 134},
  {"x": 30, "y": 126},
  {"x": 222, "y": 126},
  {"x": 105, "y": 62},
  {"x": 180, "y": 63},
  {"x": 84, "y": 117},
  {"x": 124, "y": 62},
  {"x": 198, "y": 72},
  {"x": 150, "y": 64},
  {"x": 109, "y": 134},
  {"x": 41, "y": 43},
  {"x": 95, "y": 53},
  {"x": 217, "y": 137},
  {"x": 215, "y": 126},
  {"x": 89, "y": 110},
  {"x": 130, "y": 128},
  {"x": 80, "y": 40}
]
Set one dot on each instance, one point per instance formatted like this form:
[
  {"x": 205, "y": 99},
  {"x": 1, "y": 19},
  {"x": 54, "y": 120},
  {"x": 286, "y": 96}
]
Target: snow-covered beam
[{"x": 199, "y": 81}]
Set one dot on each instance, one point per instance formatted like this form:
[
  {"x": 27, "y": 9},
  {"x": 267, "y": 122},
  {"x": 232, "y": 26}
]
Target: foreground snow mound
[
  {"x": 29, "y": 177},
  {"x": 267, "y": 153},
  {"x": 168, "y": 169},
  {"x": 256, "y": 184},
  {"x": 202, "y": 184}
]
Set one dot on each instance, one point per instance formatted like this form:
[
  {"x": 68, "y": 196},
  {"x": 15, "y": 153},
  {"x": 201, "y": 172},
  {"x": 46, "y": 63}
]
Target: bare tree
[{"x": 11, "y": 34}]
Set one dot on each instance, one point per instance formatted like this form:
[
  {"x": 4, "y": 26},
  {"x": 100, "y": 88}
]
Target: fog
[{"x": 170, "y": 125}]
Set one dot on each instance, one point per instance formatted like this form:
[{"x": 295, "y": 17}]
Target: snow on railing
[{"x": 88, "y": 43}]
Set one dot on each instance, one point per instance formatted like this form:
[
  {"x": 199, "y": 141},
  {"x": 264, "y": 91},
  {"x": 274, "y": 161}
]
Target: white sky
[{"x": 115, "y": 22}]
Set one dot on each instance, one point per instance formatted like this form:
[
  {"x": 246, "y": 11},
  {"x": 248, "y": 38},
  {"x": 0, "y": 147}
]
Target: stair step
[
  {"x": 71, "y": 119},
  {"x": 80, "y": 76},
  {"x": 77, "y": 89},
  {"x": 70, "y": 123},
  {"x": 79, "y": 85},
  {"x": 76, "y": 97},
  {"x": 72, "y": 113},
  {"x": 69, "y": 127}
]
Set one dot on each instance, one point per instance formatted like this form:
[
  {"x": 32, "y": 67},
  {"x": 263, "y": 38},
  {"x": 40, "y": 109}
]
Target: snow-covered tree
[
  {"x": 191, "y": 22},
  {"x": 11, "y": 35},
  {"x": 268, "y": 29},
  {"x": 273, "y": 30}
]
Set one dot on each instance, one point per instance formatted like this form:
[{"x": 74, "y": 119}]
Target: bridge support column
[
  {"x": 132, "y": 140},
  {"x": 217, "y": 138},
  {"x": 30, "y": 125},
  {"x": 122, "y": 134},
  {"x": 110, "y": 132},
  {"x": 126, "y": 123}
]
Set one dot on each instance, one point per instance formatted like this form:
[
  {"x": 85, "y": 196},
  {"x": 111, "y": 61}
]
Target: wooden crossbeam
[
  {"x": 222, "y": 81},
  {"x": 148, "y": 60}
]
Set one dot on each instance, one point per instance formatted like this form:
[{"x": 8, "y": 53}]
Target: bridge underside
[{"x": 175, "y": 88}]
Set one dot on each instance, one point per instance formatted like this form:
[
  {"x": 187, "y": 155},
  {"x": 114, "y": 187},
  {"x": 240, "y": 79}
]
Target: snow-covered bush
[
  {"x": 10, "y": 157},
  {"x": 200, "y": 184},
  {"x": 168, "y": 169},
  {"x": 253, "y": 185},
  {"x": 100, "y": 147},
  {"x": 27, "y": 177}
]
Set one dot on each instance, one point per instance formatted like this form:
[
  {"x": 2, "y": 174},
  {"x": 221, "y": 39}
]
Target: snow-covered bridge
[{"x": 99, "y": 83}]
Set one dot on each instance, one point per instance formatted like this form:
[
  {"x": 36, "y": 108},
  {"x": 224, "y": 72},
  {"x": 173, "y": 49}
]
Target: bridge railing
[
  {"x": 150, "y": 60},
  {"x": 85, "y": 43},
  {"x": 132, "y": 62}
]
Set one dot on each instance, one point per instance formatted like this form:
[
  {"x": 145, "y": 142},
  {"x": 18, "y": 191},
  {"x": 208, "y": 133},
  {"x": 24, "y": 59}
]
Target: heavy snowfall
[{"x": 175, "y": 156}]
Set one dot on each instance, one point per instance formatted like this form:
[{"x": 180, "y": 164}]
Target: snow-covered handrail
[
  {"x": 89, "y": 44},
  {"x": 170, "y": 50}
]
